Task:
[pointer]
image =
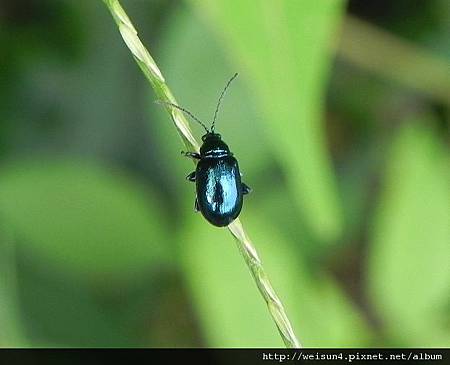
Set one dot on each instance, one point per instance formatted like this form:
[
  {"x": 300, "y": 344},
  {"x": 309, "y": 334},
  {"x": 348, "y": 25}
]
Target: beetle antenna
[
  {"x": 220, "y": 100},
  {"x": 184, "y": 111}
]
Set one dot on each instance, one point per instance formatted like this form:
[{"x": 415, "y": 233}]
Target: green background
[{"x": 339, "y": 119}]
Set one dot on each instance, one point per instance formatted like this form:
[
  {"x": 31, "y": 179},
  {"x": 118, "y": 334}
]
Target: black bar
[{"x": 223, "y": 356}]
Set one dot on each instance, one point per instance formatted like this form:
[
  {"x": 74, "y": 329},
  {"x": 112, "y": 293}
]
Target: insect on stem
[{"x": 247, "y": 248}]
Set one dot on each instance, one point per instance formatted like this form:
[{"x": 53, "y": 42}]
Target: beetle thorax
[{"x": 213, "y": 146}]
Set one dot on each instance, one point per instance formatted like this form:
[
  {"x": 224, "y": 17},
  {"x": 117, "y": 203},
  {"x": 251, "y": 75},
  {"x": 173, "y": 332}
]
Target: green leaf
[
  {"x": 82, "y": 218},
  {"x": 409, "y": 267},
  {"x": 282, "y": 49}
]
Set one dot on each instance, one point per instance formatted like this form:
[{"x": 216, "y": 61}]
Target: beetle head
[{"x": 213, "y": 145}]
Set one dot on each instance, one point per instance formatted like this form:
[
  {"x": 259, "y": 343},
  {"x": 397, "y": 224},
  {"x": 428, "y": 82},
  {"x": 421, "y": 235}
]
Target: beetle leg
[
  {"x": 246, "y": 189},
  {"x": 191, "y": 155},
  {"x": 196, "y": 207},
  {"x": 191, "y": 176}
]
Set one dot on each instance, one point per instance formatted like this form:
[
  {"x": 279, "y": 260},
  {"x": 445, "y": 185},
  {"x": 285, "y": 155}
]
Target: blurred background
[{"x": 339, "y": 119}]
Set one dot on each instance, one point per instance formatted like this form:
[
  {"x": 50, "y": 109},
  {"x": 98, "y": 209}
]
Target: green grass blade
[{"x": 409, "y": 274}]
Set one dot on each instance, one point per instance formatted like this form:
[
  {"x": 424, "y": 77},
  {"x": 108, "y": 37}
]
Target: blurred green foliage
[
  {"x": 411, "y": 226},
  {"x": 88, "y": 209},
  {"x": 99, "y": 245}
]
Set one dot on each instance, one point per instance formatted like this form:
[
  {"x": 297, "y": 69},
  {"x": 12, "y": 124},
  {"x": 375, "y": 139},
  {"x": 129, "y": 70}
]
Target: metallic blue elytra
[
  {"x": 217, "y": 178},
  {"x": 218, "y": 182}
]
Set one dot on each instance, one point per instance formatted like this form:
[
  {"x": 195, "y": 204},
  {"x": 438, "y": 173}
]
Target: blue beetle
[{"x": 217, "y": 178}]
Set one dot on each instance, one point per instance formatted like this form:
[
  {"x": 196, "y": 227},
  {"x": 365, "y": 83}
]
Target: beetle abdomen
[{"x": 219, "y": 190}]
